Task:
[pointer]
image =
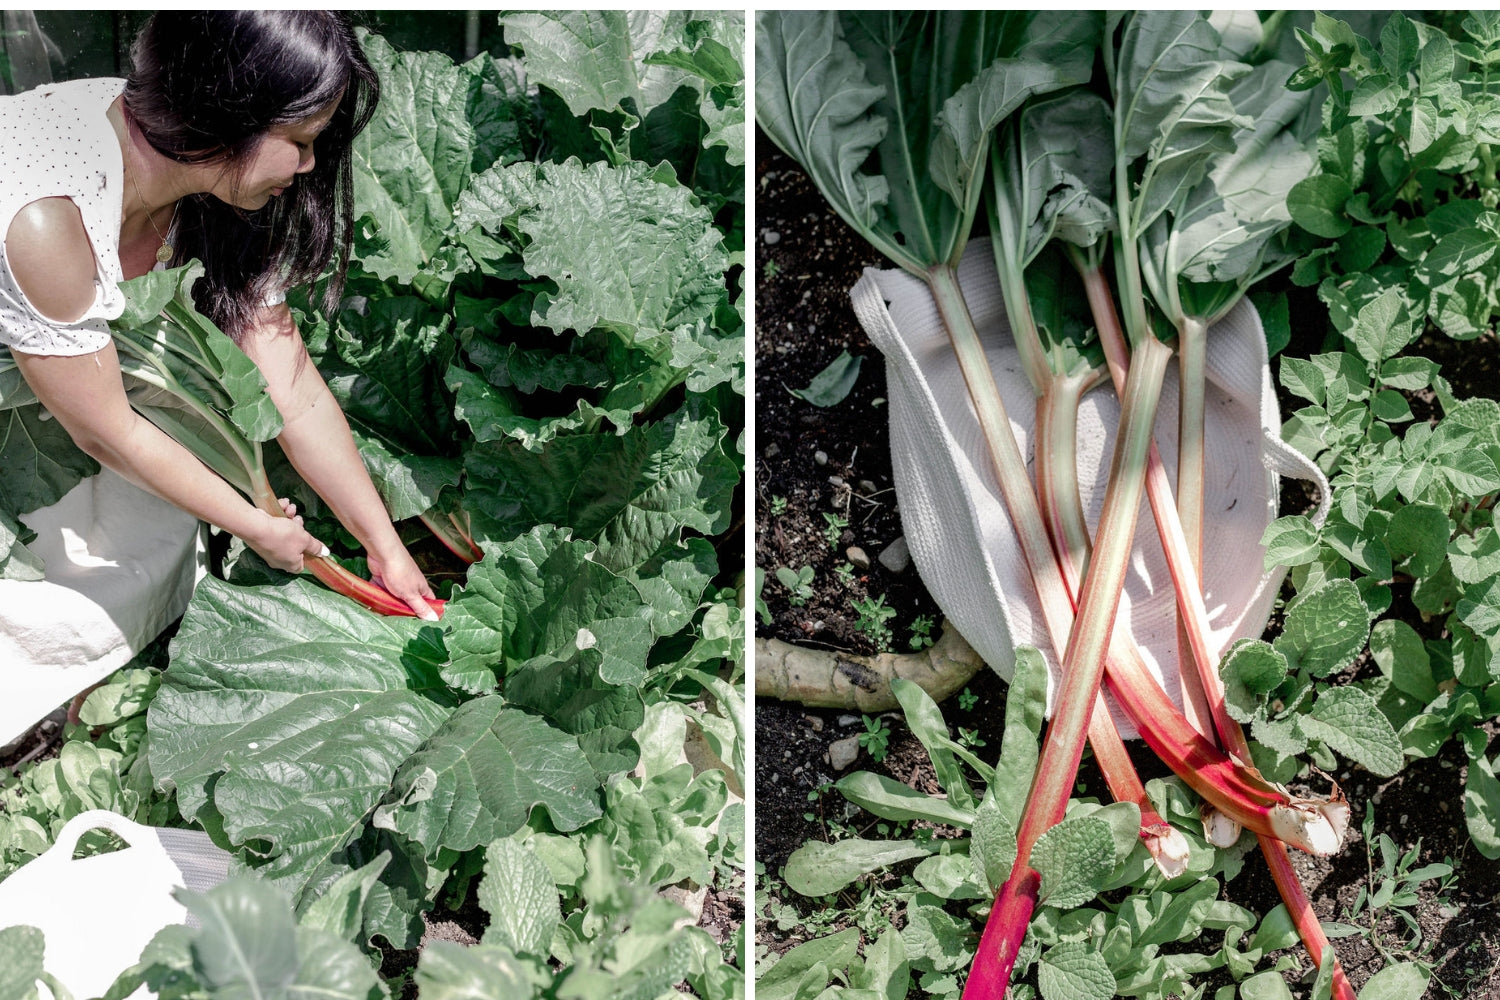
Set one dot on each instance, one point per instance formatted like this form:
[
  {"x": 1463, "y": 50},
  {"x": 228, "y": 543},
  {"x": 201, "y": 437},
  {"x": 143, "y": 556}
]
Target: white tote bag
[{"x": 957, "y": 525}]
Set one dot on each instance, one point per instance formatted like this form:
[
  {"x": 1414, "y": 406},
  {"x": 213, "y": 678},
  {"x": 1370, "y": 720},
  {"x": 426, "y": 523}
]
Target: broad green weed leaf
[
  {"x": 885, "y": 971},
  {"x": 836, "y": 951},
  {"x": 518, "y": 894},
  {"x": 482, "y": 773},
  {"x": 934, "y": 938},
  {"x": 1251, "y": 669},
  {"x": 1326, "y": 628},
  {"x": 1398, "y": 651},
  {"x": 332, "y": 969},
  {"x": 1418, "y": 538},
  {"x": 1480, "y": 608},
  {"x": 21, "y": 956},
  {"x": 1270, "y": 985},
  {"x": 1317, "y": 204},
  {"x": 448, "y": 971},
  {"x": 833, "y": 384},
  {"x": 1475, "y": 557},
  {"x": 1482, "y": 807},
  {"x": 889, "y": 799},
  {"x": 949, "y": 876},
  {"x": 1025, "y": 708},
  {"x": 1400, "y": 981},
  {"x": 817, "y": 868},
  {"x": 1074, "y": 859},
  {"x": 1290, "y": 541},
  {"x": 247, "y": 944},
  {"x": 1348, "y": 720},
  {"x": 289, "y": 709},
  {"x": 1075, "y": 971},
  {"x": 992, "y": 849},
  {"x": 925, "y": 720}
]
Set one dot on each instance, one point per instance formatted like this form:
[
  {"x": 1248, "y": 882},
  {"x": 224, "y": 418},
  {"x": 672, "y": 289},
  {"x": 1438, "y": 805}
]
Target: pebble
[
  {"x": 772, "y": 238},
  {"x": 819, "y": 625},
  {"x": 866, "y": 486},
  {"x": 772, "y": 450},
  {"x": 896, "y": 557},
  {"x": 857, "y": 556},
  {"x": 821, "y": 457},
  {"x": 836, "y": 480},
  {"x": 842, "y": 753},
  {"x": 849, "y": 720},
  {"x": 815, "y": 721}
]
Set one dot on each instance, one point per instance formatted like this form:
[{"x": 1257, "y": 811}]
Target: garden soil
[{"x": 812, "y": 462}]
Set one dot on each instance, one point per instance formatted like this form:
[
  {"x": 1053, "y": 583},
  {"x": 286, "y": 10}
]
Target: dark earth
[{"x": 806, "y": 259}]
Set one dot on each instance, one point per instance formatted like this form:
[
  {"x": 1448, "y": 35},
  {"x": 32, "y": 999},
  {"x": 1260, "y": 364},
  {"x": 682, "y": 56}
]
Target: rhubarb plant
[{"x": 540, "y": 354}]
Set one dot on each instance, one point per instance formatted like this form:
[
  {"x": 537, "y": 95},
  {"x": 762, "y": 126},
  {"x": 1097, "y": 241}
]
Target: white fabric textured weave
[{"x": 956, "y": 523}]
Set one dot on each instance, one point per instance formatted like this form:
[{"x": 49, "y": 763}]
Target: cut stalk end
[
  {"x": 1218, "y": 829},
  {"x": 1315, "y": 827},
  {"x": 1168, "y": 847}
]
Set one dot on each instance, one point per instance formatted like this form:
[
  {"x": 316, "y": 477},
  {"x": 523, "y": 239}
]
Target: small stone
[
  {"x": 896, "y": 557},
  {"x": 815, "y": 721},
  {"x": 821, "y": 457},
  {"x": 842, "y": 753},
  {"x": 865, "y": 486},
  {"x": 819, "y": 625},
  {"x": 857, "y": 556},
  {"x": 772, "y": 237},
  {"x": 836, "y": 480},
  {"x": 772, "y": 450},
  {"x": 848, "y": 720}
]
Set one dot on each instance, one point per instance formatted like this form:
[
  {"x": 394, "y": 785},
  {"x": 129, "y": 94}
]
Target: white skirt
[{"x": 121, "y": 565}]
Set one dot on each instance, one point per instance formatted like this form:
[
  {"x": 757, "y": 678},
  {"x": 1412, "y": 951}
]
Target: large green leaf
[
  {"x": 38, "y": 460},
  {"x": 633, "y": 495},
  {"x": 627, "y": 252},
  {"x": 384, "y": 362},
  {"x": 520, "y": 897},
  {"x": 286, "y": 711},
  {"x": 247, "y": 943},
  {"x": 415, "y": 157},
  {"x": 448, "y": 971},
  {"x": 544, "y": 594},
  {"x": 481, "y": 774}
]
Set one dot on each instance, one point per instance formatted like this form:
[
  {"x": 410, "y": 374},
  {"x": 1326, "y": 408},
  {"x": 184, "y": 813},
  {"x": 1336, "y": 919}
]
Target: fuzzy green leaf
[
  {"x": 1326, "y": 628},
  {"x": 1075, "y": 971},
  {"x": 518, "y": 893},
  {"x": 1349, "y": 722},
  {"x": 817, "y": 868},
  {"x": 1074, "y": 859}
]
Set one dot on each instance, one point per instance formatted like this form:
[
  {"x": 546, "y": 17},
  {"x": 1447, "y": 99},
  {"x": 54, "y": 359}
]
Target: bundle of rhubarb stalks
[{"x": 1147, "y": 157}]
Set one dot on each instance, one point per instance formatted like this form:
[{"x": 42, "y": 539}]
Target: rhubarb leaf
[
  {"x": 269, "y": 691},
  {"x": 545, "y": 595},
  {"x": 1326, "y": 629},
  {"x": 1350, "y": 723},
  {"x": 817, "y": 868},
  {"x": 518, "y": 893},
  {"x": 415, "y": 158},
  {"x": 480, "y": 775},
  {"x": 633, "y": 495},
  {"x": 1073, "y": 970},
  {"x": 1074, "y": 859}
]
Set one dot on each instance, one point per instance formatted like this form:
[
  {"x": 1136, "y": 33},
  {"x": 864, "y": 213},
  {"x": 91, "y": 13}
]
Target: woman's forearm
[{"x": 86, "y": 396}]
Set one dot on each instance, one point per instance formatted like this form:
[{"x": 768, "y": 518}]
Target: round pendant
[{"x": 164, "y": 253}]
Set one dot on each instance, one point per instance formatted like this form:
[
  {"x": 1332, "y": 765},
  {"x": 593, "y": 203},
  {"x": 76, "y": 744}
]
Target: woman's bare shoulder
[{"x": 50, "y": 255}]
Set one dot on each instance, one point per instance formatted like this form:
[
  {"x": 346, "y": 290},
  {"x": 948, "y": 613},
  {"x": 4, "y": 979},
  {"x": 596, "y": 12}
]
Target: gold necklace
[{"x": 163, "y": 252}]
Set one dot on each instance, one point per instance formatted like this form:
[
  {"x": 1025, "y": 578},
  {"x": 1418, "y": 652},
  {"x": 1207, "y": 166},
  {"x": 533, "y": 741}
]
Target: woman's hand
[
  {"x": 283, "y": 542},
  {"x": 397, "y": 573}
]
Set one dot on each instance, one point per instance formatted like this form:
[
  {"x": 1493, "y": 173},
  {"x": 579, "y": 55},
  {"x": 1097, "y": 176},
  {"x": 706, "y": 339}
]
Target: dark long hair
[{"x": 204, "y": 87}]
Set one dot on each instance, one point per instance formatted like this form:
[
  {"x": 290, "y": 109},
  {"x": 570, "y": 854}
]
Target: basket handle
[{"x": 127, "y": 830}]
